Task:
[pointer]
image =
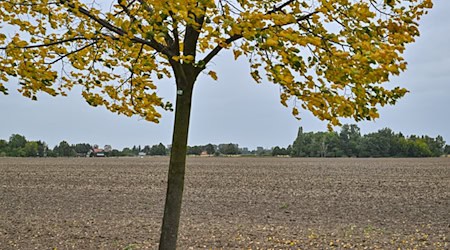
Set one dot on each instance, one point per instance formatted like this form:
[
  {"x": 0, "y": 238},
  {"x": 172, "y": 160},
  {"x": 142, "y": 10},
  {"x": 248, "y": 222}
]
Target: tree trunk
[{"x": 175, "y": 182}]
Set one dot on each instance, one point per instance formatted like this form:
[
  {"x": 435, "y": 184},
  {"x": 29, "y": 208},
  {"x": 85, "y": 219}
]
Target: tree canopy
[{"x": 330, "y": 55}]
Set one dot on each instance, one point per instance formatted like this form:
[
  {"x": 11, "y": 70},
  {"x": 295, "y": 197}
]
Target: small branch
[
  {"x": 132, "y": 74},
  {"x": 72, "y": 52},
  {"x": 49, "y": 44},
  {"x": 323, "y": 38},
  {"x": 307, "y": 16},
  {"x": 218, "y": 48},
  {"x": 378, "y": 9},
  {"x": 176, "y": 45},
  {"x": 26, "y": 4},
  {"x": 127, "y": 11},
  {"x": 237, "y": 11},
  {"x": 169, "y": 41},
  {"x": 221, "y": 7},
  {"x": 279, "y": 8}
]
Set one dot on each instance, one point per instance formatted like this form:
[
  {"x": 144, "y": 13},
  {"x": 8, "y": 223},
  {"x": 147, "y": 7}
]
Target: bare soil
[{"x": 229, "y": 203}]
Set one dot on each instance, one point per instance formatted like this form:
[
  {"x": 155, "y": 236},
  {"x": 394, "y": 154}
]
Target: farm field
[{"x": 229, "y": 203}]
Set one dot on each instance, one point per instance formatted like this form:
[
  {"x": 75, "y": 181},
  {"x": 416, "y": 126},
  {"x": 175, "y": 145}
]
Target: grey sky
[{"x": 235, "y": 109}]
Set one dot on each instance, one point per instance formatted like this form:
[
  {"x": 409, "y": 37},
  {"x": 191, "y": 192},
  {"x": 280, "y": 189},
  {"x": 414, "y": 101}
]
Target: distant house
[{"x": 96, "y": 152}]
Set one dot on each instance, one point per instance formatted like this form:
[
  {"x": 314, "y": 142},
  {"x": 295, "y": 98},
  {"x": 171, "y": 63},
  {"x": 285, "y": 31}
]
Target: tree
[
  {"x": 349, "y": 137},
  {"x": 447, "y": 150},
  {"x": 418, "y": 148},
  {"x": 159, "y": 149},
  {"x": 17, "y": 141},
  {"x": 146, "y": 149},
  {"x": 128, "y": 152},
  {"x": 136, "y": 149},
  {"x": 82, "y": 148},
  {"x": 64, "y": 149},
  {"x": 31, "y": 149},
  {"x": 16, "y": 145},
  {"x": 42, "y": 149},
  {"x": 229, "y": 149},
  {"x": 115, "y": 153},
  {"x": 436, "y": 145},
  {"x": 194, "y": 150},
  {"x": 330, "y": 145},
  {"x": 279, "y": 151},
  {"x": 276, "y": 151},
  {"x": 330, "y": 55},
  {"x": 3, "y": 148},
  {"x": 298, "y": 145},
  {"x": 210, "y": 149}
]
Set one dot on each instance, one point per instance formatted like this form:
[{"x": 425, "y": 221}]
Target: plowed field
[{"x": 229, "y": 203}]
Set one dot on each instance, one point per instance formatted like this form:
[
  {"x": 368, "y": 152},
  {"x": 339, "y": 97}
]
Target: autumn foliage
[{"x": 328, "y": 57}]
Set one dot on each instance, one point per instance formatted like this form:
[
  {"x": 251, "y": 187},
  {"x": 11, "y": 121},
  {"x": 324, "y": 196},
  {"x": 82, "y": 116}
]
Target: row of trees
[
  {"x": 158, "y": 149},
  {"x": 209, "y": 149},
  {"x": 18, "y": 146},
  {"x": 347, "y": 143},
  {"x": 350, "y": 143}
]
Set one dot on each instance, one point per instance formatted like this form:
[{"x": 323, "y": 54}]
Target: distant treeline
[
  {"x": 350, "y": 143},
  {"x": 347, "y": 143},
  {"x": 19, "y": 146}
]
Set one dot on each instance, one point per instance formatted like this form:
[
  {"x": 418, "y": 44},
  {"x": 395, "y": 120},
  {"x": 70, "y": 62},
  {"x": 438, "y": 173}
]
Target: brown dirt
[{"x": 229, "y": 203}]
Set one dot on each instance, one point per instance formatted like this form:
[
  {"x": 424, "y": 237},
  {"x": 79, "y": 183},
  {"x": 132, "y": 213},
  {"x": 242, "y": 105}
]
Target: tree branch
[
  {"x": 49, "y": 44},
  {"x": 279, "y": 8},
  {"x": 192, "y": 33},
  {"x": 132, "y": 74},
  {"x": 152, "y": 43},
  {"x": 218, "y": 48},
  {"x": 127, "y": 11},
  {"x": 72, "y": 52},
  {"x": 26, "y": 4},
  {"x": 176, "y": 44},
  {"x": 373, "y": 3}
]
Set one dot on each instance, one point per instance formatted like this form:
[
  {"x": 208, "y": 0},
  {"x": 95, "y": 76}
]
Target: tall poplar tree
[{"x": 328, "y": 57}]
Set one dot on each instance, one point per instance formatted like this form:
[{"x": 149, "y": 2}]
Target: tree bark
[{"x": 175, "y": 182}]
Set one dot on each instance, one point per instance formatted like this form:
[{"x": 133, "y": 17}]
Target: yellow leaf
[
  {"x": 188, "y": 59},
  {"x": 272, "y": 42},
  {"x": 295, "y": 111},
  {"x": 237, "y": 53},
  {"x": 213, "y": 75}
]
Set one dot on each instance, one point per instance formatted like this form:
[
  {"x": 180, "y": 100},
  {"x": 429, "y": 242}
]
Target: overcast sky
[{"x": 235, "y": 109}]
